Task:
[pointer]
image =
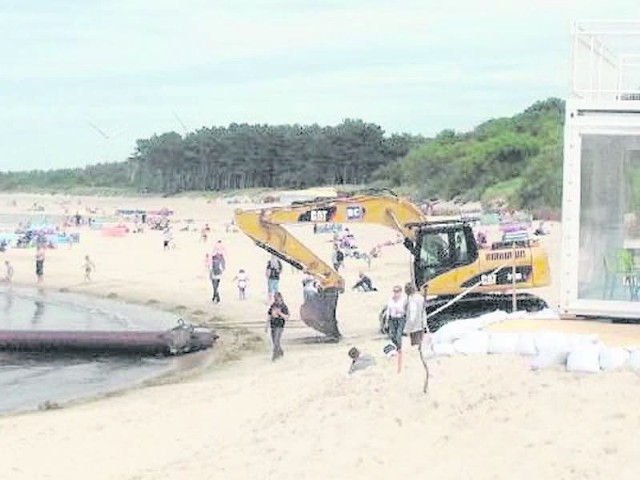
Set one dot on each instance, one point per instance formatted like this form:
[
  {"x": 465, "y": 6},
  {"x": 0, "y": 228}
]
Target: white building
[{"x": 601, "y": 195}]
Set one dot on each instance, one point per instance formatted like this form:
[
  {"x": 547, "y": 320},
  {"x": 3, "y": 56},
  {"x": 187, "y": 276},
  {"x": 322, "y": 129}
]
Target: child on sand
[
  {"x": 88, "y": 266},
  {"x": 241, "y": 280}
]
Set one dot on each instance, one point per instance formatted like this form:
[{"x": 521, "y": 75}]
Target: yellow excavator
[{"x": 447, "y": 262}]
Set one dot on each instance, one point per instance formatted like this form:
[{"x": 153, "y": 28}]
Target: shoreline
[{"x": 225, "y": 351}]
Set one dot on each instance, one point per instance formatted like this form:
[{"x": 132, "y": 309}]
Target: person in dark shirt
[
  {"x": 277, "y": 315},
  {"x": 274, "y": 268},
  {"x": 364, "y": 283}
]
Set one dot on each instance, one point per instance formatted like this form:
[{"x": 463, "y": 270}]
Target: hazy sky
[{"x": 75, "y": 71}]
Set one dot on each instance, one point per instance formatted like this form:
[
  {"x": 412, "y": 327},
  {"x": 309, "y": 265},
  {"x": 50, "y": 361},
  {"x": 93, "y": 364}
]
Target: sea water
[{"x": 31, "y": 380}]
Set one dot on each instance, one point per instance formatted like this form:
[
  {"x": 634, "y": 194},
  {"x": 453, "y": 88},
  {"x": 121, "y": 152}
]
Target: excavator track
[{"x": 473, "y": 305}]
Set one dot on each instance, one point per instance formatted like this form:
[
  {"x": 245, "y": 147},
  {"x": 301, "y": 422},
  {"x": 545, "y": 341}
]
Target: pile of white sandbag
[{"x": 578, "y": 352}]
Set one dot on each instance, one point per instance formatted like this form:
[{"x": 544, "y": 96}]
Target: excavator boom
[{"x": 266, "y": 228}]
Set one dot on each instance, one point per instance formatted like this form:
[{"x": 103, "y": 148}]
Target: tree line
[
  {"x": 518, "y": 159},
  {"x": 248, "y": 156}
]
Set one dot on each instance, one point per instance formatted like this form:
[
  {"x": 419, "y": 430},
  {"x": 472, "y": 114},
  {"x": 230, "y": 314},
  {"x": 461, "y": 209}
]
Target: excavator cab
[{"x": 440, "y": 247}]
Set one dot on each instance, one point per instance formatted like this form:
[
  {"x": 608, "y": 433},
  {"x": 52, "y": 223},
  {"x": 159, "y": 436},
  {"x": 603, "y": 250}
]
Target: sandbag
[
  {"x": 451, "y": 331},
  {"x": 443, "y": 349},
  {"x": 553, "y": 341},
  {"x": 584, "y": 358},
  {"x": 475, "y": 343},
  {"x": 456, "y": 329},
  {"x": 544, "y": 314},
  {"x": 548, "y": 358},
  {"x": 489, "y": 318},
  {"x": 526, "y": 344},
  {"x": 613, "y": 357},
  {"x": 578, "y": 339},
  {"x": 427, "y": 352},
  {"x": 634, "y": 359},
  {"x": 503, "y": 342}
]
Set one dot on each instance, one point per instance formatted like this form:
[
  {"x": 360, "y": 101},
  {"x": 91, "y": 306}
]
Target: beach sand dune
[{"x": 484, "y": 417}]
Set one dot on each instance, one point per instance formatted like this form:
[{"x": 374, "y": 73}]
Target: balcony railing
[{"x": 605, "y": 60}]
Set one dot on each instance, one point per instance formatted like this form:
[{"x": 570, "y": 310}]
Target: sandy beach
[{"x": 242, "y": 416}]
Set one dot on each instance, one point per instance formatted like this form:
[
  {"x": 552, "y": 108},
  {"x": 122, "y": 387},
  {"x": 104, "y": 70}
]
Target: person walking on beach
[
  {"x": 395, "y": 313},
  {"x": 277, "y": 315},
  {"x": 40, "y": 264},
  {"x": 8, "y": 274},
  {"x": 215, "y": 274},
  {"x": 89, "y": 267},
  {"x": 274, "y": 268},
  {"x": 416, "y": 314},
  {"x": 204, "y": 233}
]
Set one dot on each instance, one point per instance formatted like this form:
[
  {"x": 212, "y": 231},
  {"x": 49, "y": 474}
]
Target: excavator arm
[{"x": 266, "y": 228}]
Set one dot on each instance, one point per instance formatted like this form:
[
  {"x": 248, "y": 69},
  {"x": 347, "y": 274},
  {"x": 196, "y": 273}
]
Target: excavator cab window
[{"x": 443, "y": 248}]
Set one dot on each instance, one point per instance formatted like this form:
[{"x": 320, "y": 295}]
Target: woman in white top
[
  {"x": 416, "y": 314},
  {"x": 396, "y": 318}
]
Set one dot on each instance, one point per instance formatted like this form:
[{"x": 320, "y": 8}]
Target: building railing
[{"x": 605, "y": 60}]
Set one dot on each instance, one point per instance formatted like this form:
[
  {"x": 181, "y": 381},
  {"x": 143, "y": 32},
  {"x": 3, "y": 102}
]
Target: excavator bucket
[{"x": 319, "y": 312}]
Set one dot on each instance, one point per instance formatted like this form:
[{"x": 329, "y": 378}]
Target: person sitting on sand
[
  {"x": 359, "y": 360},
  {"x": 364, "y": 284}
]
